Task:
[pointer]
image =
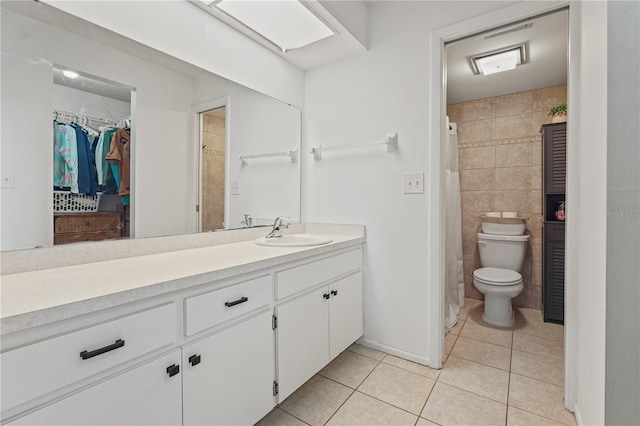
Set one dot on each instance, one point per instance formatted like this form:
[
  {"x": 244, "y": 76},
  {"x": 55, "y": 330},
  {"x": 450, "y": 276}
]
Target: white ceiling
[
  {"x": 547, "y": 65},
  {"x": 348, "y": 19}
]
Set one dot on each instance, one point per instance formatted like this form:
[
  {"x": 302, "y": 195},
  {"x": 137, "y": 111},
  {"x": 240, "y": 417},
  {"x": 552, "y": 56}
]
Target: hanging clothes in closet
[
  {"x": 86, "y": 168},
  {"x": 80, "y": 163},
  {"x": 65, "y": 157},
  {"x": 73, "y": 167},
  {"x": 106, "y": 179},
  {"x": 119, "y": 156}
]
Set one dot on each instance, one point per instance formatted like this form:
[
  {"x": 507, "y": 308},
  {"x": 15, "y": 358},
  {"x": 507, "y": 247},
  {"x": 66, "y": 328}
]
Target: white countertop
[{"x": 40, "y": 297}]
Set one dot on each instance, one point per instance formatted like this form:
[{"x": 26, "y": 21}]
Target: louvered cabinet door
[
  {"x": 555, "y": 158},
  {"x": 553, "y": 273}
]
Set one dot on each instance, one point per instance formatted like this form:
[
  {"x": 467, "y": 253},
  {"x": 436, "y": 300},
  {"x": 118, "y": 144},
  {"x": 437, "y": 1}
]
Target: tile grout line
[
  {"x": 401, "y": 368},
  {"x": 380, "y": 400},
  {"x": 353, "y": 390},
  {"x": 506, "y": 414}
]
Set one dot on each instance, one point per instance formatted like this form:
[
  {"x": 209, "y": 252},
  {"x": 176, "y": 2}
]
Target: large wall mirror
[{"x": 204, "y": 151}]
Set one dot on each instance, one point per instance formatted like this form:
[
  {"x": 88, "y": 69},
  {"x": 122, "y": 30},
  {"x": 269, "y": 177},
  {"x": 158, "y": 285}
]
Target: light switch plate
[
  {"x": 8, "y": 180},
  {"x": 413, "y": 183}
]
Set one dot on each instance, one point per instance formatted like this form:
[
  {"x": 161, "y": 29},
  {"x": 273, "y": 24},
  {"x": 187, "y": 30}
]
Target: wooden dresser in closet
[{"x": 75, "y": 227}]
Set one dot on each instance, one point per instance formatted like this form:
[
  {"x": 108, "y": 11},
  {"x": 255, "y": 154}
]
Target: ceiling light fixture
[
  {"x": 284, "y": 24},
  {"x": 500, "y": 60},
  {"x": 70, "y": 74}
]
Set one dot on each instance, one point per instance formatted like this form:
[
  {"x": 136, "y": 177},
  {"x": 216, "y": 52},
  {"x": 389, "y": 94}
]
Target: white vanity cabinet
[
  {"x": 146, "y": 395},
  {"x": 228, "y": 377},
  {"x": 303, "y": 340},
  {"x": 345, "y": 313},
  {"x": 34, "y": 370},
  {"x": 218, "y": 349},
  {"x": 316, "y": 326}
]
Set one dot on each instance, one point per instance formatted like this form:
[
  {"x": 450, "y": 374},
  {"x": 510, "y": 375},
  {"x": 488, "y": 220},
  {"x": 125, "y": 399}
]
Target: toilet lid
[{"x": 497, "y": 276}]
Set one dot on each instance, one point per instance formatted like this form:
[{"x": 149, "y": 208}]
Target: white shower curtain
[{"x": 454, "y": 271}]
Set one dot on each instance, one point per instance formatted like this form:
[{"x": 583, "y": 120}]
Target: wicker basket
[{"x": 68, "y": 202}]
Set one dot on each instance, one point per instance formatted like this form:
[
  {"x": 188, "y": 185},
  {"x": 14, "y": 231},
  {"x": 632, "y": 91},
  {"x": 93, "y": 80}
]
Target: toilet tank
[{"x": 502, "y": 251}]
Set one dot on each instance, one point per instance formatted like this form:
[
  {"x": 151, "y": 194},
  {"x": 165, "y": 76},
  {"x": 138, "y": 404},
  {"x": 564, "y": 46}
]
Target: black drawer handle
[
  {"x": 90, "y": 354},
  {"x": 326, "y": 296},
  {"x": 334, "y": 292},
  {"x": 173, "y": 369},
  {"x": 194, "y": 360},
  {"x": 236, "y": 302}
]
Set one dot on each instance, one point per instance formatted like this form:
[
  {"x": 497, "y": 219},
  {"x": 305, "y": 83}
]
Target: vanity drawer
[
  {"x": 306, "y": 276},
  {"x": 218, "y": 306},
  {"x": 42, "y": 367}
]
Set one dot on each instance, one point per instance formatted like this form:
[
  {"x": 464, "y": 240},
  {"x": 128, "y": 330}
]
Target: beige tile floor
[{"x": 491, "y": 377}]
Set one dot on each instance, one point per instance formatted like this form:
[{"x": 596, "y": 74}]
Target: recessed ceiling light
[
  {"x": 70, "y": 74},
  {"x": 499, "y": 60},
  {"x": 285, "y": 24}
]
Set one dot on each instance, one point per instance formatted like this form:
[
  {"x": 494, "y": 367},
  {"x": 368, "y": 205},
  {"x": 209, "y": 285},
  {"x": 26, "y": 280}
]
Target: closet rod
[
  {"x": 79, "y": 118},
  {"x": 391, "y": 141}
]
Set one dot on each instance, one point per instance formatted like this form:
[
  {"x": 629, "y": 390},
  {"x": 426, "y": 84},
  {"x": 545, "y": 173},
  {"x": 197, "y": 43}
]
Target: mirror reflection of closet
[{"x": 92, "y": 161}]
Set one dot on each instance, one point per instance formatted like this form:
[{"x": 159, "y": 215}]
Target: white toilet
[{"x": 499, "y": 279}]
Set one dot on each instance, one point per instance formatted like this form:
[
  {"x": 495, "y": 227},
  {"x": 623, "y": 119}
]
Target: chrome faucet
[
  {"x": 279, "y": 224},
  {"x": 247, "y": 222}
]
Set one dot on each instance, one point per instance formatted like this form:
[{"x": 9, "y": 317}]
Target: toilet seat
[{"x": 497, "y": 276}]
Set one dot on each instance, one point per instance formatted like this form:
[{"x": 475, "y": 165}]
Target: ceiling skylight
[
  {"x": 287, "y": 24},
  {"x": 499, "y": 60}
]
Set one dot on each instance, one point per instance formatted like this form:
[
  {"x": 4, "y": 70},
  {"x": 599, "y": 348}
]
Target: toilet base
[
  {"x": 497, "y": 303},
  {"x": 498, "y": 311}
]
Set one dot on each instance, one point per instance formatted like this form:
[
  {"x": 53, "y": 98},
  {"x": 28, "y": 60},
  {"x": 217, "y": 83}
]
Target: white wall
[
  {"x": 360, "y": 99},
  {"x": 622, "y": 387},
  {"x": 186, "y": 32},
  {"x": 257, "y": 124},
  {"x": 26, "y": 148},
  {"x": 586, "y": 267},
  {"x": 74, "y": 100},
  {"x": 161, "y": 181}
]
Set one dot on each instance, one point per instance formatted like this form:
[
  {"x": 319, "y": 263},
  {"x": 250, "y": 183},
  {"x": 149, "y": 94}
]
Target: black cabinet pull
[
  {"x": 173, "y": 369},
  {"x": 334, "y": 292},
  {"x": 90, "y": 354},
  {"x": 236, "y": 302},
  {"x": 194, "y": 360},
  {"x": 326, "y": 296}
]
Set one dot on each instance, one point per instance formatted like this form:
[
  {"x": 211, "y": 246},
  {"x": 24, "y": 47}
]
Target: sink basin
[{"x": 295, "y": 240}]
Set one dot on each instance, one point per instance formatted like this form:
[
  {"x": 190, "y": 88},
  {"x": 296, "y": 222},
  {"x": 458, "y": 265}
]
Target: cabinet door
[
  {"x": 146, "y": 395},
  {"x": 555, "y": 158},
  {"x": 303, "y": 339},
  {"x": 228, "y": 377},
  {"x": 553, "y": 288},
  {"x": 345, "y": 313}
]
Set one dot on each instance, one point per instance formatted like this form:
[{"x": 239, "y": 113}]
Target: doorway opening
[
  {"x": 499, "y": 119},
  {"x": 212, "y": 169}
]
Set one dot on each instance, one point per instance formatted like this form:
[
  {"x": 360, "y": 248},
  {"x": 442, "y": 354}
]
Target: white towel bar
[
  {"x": 293, "y": 154},
  {"x": 391, "y": 141}
]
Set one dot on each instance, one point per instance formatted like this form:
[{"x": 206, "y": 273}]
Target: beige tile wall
[
  {"x": 501, "y": 170},
  {"x": 213, "y": 156}
]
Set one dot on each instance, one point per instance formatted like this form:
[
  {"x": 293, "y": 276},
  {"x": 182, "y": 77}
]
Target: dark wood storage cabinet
[
  {"x": 76, "y": 227},
  {"x": 554, "y": 166}
]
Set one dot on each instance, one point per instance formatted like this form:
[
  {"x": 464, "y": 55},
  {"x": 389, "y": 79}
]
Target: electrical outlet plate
[{"x": 413, "y": 183}]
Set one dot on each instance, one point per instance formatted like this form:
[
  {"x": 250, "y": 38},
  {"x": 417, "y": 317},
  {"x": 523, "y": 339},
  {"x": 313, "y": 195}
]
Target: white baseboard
[
  {"x": 578, "y": 416},
  {"x": 393, "y": 351}
]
